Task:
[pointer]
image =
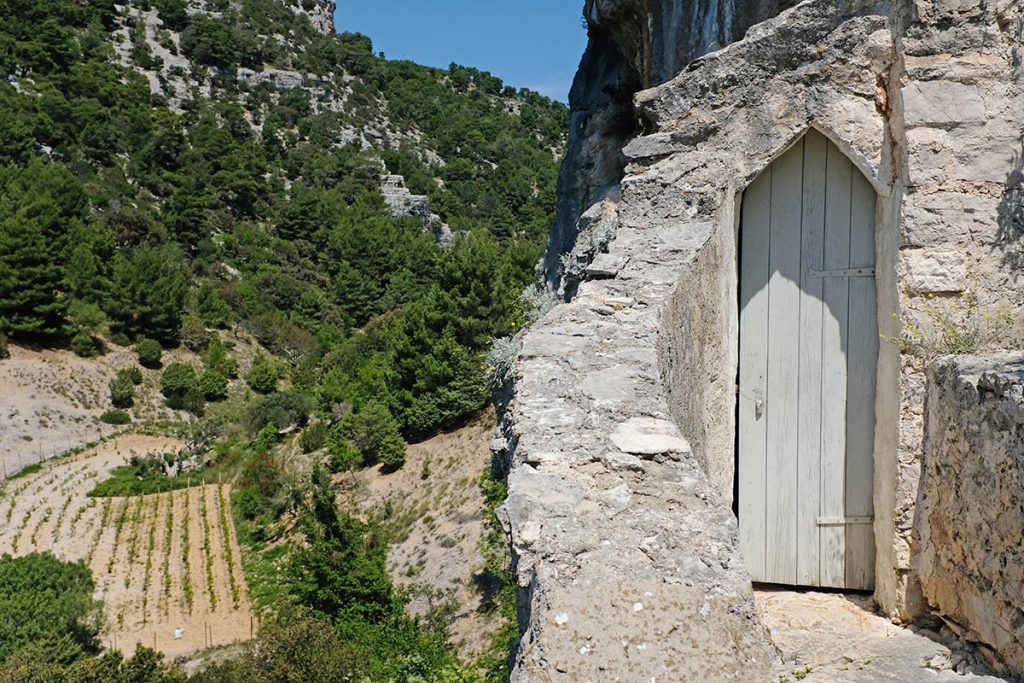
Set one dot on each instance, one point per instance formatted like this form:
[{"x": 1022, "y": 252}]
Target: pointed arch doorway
[{"x": 808, "y": 357}]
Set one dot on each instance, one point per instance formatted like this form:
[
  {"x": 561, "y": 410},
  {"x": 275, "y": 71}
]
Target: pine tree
[{"x": 39, "y": 206}]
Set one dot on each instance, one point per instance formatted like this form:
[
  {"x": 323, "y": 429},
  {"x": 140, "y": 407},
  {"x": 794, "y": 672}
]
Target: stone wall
[
  {"x": 970, "y": 509},
  {"x": 626, "y": 556}
]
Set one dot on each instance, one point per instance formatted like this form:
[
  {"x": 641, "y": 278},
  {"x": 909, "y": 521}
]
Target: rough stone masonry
[{"x": 620, "y": 433}]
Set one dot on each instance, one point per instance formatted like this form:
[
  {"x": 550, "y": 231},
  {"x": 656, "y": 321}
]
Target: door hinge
[
  {"x": 843, "y": 521},
  {"x": 845, "y": 272}
]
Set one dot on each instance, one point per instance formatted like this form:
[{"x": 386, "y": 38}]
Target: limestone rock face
[
  {"x": 320, "y": 13},
  {"x": 405, "y": 204},
  {"x": 971, "y": 502},
  {"x": 634, "y": 44}
]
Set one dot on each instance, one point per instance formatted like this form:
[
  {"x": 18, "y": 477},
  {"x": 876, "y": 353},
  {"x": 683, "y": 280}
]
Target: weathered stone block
[
  {"x": 947, "y": 219},
  {"x": 931, "y": 270},
  {"x": 942, "y": 103}
]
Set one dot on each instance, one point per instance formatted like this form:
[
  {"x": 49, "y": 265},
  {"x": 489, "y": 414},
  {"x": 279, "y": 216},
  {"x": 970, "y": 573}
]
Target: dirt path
[
  {"x": 834, "y": 637},
  {"x": 134, "y": 547}
]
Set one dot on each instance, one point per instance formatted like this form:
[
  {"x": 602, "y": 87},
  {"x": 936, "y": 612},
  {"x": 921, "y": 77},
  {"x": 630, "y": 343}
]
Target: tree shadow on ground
[{"x": 488, "y": 584}]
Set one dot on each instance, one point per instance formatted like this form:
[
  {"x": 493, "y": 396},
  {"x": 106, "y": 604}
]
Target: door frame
[{"x": 889, "y": 197}]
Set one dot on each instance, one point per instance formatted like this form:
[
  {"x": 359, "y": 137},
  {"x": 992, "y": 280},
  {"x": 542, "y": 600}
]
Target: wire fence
[{"x": 13, "y": 461}]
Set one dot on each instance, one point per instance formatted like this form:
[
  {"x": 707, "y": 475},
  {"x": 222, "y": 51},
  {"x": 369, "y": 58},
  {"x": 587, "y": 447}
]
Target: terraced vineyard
[{"x": 161, "y": 562}]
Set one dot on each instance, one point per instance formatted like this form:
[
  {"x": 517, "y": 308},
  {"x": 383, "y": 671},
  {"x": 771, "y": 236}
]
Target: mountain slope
[{"x": 170, "y": 166}]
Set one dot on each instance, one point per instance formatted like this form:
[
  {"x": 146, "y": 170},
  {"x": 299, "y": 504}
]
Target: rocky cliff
[
  {"x": 634, "y": 44},
  {"x": 320, "y": 13}
]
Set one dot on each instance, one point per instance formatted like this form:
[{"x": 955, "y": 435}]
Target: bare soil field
[
  {"x": 437, "y": 512},
  {"x": 161, "y": 563},
  {"x": 51, "y": 401}
]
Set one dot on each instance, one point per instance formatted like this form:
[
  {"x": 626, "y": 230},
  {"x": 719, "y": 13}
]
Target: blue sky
[{"x": 527, "y": 43}]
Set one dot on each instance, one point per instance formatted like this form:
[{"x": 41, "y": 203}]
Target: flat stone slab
[{"x": 649, "y": 436}]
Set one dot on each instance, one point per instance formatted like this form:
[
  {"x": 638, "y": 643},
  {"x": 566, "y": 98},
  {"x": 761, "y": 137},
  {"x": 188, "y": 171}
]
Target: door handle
[{"x": 758, "y": 408}]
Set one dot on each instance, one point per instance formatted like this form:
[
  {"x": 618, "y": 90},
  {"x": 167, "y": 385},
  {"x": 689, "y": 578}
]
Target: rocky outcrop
[
  {"x": 320, "y": 13},
  {"x": 925, "y": 98},
  {"x": 634, "y": 44},
  {"x": 405, "y": 204},
  {"x": 970, "y": 509},
  {"x": 626, "y": 556}
]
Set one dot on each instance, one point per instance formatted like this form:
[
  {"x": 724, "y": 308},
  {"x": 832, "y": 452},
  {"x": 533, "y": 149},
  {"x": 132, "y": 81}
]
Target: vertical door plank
[
  {"x": 862, "y": 359},
  {"x": 755, "y": 226},
  {"x": 809, "y": 453},
  {"x": 835, "y": 336},
  {"x": 782, "y": 404}
]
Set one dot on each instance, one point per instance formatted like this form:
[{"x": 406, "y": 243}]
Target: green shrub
[
  {"x": 264, "y": 374},
  {"x": 4, "y": 351},
  {"x": 120, "y": 338},
  {"x": 211, "y": 306},
  {"x": 193, "y": 333},
  {"x": 281, "y": 410},
  {"x": 216, "y": 358},
  {"x": 177, "y": 379},
  {"x": 180, "y": 386},
  {"x": 214, "y": 385},
  {"x": 149, "y": 352},
  {"x": 27, "y": 470},
  {"x": 372, "y": 433},
  {"x": 46, "y": 600},
  {"x": 84, "y": 345},
  {"x": 134, "y": 374},
  {"x": 115, "y": 417},
  {"x": 122, "y": 391},
  {"x": 260, "y": 482},
  {"x": 193, "y": 401},
  {"x": 173, "y": 13},
  {"x": 144, "y": 475},
  {"x": 313, "y": 437}
]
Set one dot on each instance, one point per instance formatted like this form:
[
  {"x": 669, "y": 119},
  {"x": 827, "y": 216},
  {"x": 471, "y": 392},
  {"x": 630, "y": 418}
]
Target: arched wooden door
[{"x": 808, "y": 354}]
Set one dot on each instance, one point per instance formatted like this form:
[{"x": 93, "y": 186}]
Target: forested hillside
[
  {"x": 222, "y": 198},
  {"x": 201, "y": 182}
]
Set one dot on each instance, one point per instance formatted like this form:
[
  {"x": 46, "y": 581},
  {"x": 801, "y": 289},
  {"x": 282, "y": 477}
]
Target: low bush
[
  {"x": 122, "y": 391},
  {"x": 150, "y": 353},
  {"x": 367, "y": 437},
  {"x": 133, "y": 374},
  {"x": 115, "y": 417},
  {"x": 313, "y": 437},
  {"x": 214, "y": 385},
  {"x": 264, "y": 374},
  {"x": 143, "y": 476},
  {"x": 281, "y": 410},
  {"x": 27, "y": 470},
  {"x": 84, "y": 345},
  {"x": 177, "y": 379}
]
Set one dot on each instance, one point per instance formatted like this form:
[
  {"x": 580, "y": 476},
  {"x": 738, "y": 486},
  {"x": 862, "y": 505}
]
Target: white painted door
[{"x": 808, "y": 353}]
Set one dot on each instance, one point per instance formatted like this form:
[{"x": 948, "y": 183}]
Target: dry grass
[{"x": 437, "y": 523}]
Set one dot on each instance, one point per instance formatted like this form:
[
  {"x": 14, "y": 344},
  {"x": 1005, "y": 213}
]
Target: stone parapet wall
[
  {"x": 626, "y": 556},
  {"x": 970, "y": 506}
]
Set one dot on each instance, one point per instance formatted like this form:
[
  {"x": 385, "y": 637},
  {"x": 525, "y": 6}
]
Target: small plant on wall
[{"x": 952, "y": 325}]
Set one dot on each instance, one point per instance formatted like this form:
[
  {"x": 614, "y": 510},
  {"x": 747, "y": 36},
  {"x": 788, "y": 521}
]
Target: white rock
[{"x": 648, "y": 436}]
